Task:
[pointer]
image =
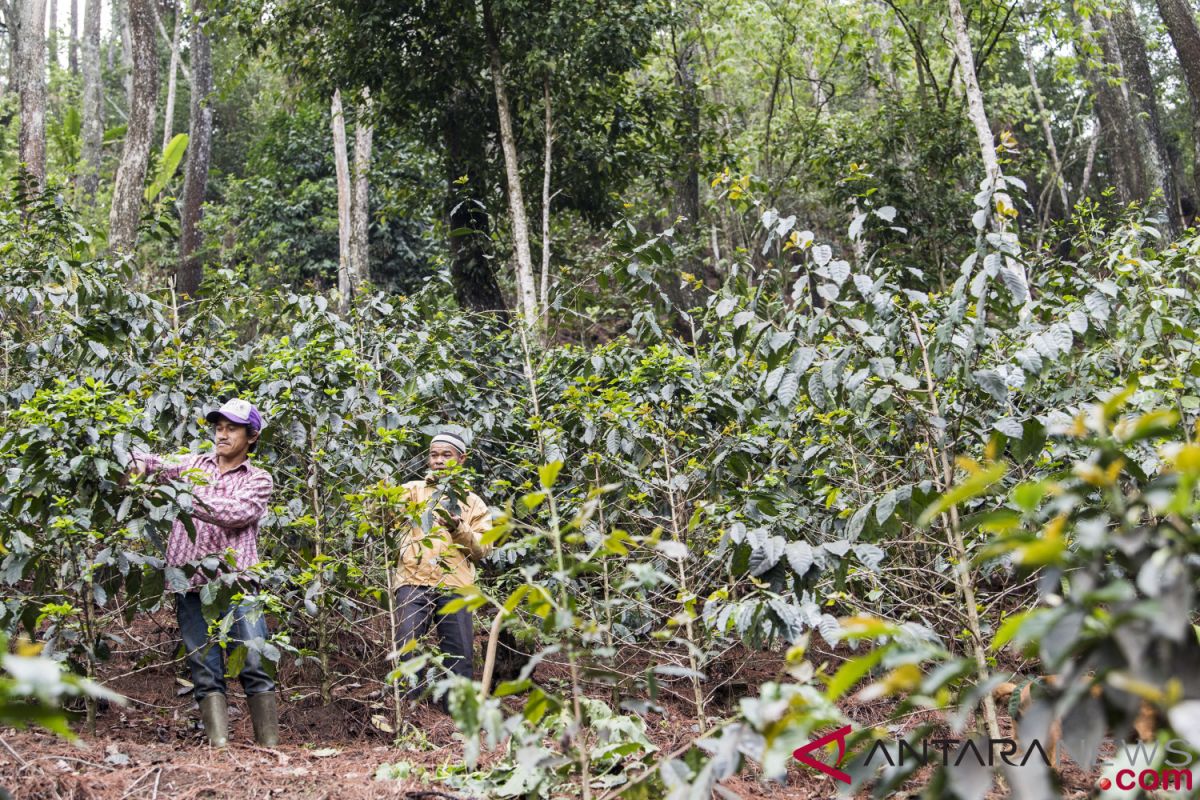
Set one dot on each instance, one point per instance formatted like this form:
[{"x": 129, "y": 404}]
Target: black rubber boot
[
  {"x": 214, "y": 713},
  {"x": 265, "y": 718}
]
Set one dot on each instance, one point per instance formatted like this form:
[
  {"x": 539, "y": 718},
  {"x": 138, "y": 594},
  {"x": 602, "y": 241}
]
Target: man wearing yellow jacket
[{"x": 434, "y": 564}]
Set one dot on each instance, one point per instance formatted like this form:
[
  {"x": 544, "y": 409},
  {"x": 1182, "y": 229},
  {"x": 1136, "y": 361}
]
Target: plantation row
[{"x": 825, "y": 447}]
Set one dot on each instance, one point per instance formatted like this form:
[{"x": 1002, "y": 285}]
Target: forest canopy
[{"x": 822, "y": 364}]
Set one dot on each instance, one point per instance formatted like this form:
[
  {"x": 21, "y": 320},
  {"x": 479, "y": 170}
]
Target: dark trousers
[
  {"x": 418, "y": 608},
  {"x": 206, "y": 659}
]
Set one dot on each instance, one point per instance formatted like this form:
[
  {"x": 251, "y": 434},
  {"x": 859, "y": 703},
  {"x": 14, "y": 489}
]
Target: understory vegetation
[{"x": 823, "y": 385}]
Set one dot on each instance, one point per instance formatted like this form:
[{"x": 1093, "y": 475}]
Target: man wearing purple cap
[{"x": 229, "y": 497}]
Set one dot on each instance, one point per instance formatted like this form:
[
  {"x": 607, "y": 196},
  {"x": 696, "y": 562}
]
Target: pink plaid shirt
[{"x": 225, "y": 512}]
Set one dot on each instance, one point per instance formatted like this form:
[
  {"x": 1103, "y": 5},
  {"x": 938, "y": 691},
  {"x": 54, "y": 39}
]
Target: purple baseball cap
[{"x": 239, "y": 411}]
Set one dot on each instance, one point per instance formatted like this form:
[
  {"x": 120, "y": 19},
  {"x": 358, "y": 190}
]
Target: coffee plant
[{"x": 846, "y": 452}]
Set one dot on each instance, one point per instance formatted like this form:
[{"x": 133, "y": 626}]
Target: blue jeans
[{"x": 207, "y": 660}]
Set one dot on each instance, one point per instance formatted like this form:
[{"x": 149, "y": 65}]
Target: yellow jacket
[{"x": 440, "y": 558}]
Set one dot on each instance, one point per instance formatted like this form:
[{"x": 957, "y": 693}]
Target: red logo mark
[{"x": 802, "y": 753}]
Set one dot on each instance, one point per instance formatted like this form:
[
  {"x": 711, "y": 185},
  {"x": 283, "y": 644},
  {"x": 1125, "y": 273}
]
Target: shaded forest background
[{"x": 855, "y": 336}]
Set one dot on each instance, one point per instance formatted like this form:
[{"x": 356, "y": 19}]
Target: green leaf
[
  {"x": 169, "y": 163},
  {"x": 1011, "y": 627},
  {"x": 235, "y": 662},
  {"x": 176, "y": 580},
  {"x": 852, "y": 671},
  {"x": 788, "y": 388},
  {"x": 1154, "y": 423},
  {"x": 1028, "y": 495},
  {"x": 972, "y": 487},
  {"x": 548, "y": 473},
  {"x": 512, "y": 687},
  {"x": 533, "y": 500},
  {"x": 514, "y": 599},
  {"x": 767, "y": 555}
]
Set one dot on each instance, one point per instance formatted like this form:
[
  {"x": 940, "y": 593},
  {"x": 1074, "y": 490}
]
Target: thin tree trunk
[
  {"x": 975, "y": 109},
  {"x": 73, "y": 45},
  {"x": 547, "y": 162},
  {"x": 687, "y": 179},
  {"x": 172, "y": 71},
  {"x": 686, "y": 201},
  {"x": 12, "y": 27},
  {"x": 360, "y": 205},
  {"x": 1151, "y": 141},
  {"x": 93, "y": 102},
  {"x": 195, "y": 181},
  {"x": 1114, "y": 113},
  {"x": 110, "y": 52},
  {"x": 1090, "y": 160},
  {"x": 526, "y": 291},
  {"x": 166, "y": 38},
  {"x": 467, "y": 220},
  {"x": 12, "y": 40},
  {"x": 124, "y": 8},
  {"x": 1180, "y": 17},
  {"x": 32, "y": 83},
  {"x": 52, "y": 36},
  {"x": 815, "y": 82},
  {"x": 130, "y": 180},
  {"x": 1055, "y": 163},
  {"x": 991, "y": 164},
  {"x": 342, "y": 169},
  {"x": 881, "y": 54}
]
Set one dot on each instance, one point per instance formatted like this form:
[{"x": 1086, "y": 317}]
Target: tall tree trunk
[
  {"x": 360, "y": 202},
  {"x": 467, "y": 220},
  {"x": 991, "y": 165},
  {"x": 975, "y": 109},
  {"x": 686, "y": 211},
  {"x": 1090, "y": 160},
  {"x": 881, "y": 54},
  {"x": 32, "y": 86},
  {"x": 685, "y": 40},
  {"x": 1180, "y": 17},
  {"x": 122, "y": 12},
  {"x": 1056, "y": 174},
  {"x": 12, "y": 22},
  {"x": 73, "y": 45},
  {"x": 687, "y": 188},
  {"x": 526, "y": 291},
  {"x": 93, "y": 102},
  {"x": 1151, "y": 141},
  {"x": 52, "y": 36},
  {"x": 128, "y": 186},
  {"x": 200, "y": 126},
  {"x": 172, "y": 72},
  {"x": 815, "y": 81},
  {"x": 547, "y": 161},
  {"x": 341, "y": 164},
  {"x": 110, "y": 52},
  {"x": 1114, "y": 112}
]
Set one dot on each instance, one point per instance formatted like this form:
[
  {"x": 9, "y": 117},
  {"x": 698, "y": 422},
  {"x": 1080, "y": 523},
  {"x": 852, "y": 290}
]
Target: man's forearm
[
  {"x": 465, "y": 536},
  {"x": 155, "y": 466},
  {"x": 235, "y": 510}
]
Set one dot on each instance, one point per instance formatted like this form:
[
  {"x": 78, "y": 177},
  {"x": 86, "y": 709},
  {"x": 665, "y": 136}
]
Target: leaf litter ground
[{"x": 154, "y": 748}]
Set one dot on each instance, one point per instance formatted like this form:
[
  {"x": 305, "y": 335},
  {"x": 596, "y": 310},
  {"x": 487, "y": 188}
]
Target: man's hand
[
  {"x": 136, "y": 470},
  {"x": 452, "y": 522}
]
